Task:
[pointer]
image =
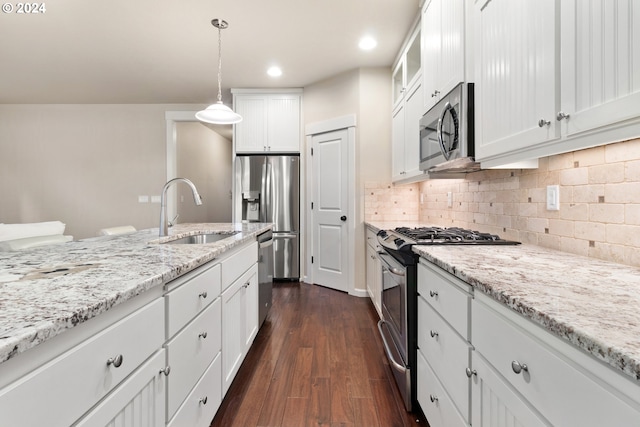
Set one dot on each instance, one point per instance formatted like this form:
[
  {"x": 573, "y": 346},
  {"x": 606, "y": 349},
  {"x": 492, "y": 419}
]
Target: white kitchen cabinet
[
  {"x": 374, "y": 270},
  {"x": 600, "y": 66},
  {"x": 529, "y": 371},
  {"x": 443, "y": 48},
  {"x": 239, "y": 322},
  {"x": 407, "y": 111},
  {"x": 444, "y": 304},
  {"x": 138, "y": 402},
  {"x": 554, "y": 76},
  {"x": 270, "y": 121},
  {"x": 516, "y": 66},
  {"x": 70, "y": 384}
]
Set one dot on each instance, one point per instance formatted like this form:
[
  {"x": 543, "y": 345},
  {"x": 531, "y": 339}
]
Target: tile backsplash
[{"x": 599, "y": 213}]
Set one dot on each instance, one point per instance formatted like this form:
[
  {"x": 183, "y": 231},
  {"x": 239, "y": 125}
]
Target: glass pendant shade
[{"x": 218, "y": 114}]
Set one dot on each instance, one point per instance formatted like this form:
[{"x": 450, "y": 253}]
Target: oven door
[{"x": 393, "y": 326}]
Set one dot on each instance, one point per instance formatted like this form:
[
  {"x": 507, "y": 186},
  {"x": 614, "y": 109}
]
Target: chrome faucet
[{"x": 164, "y": 224}]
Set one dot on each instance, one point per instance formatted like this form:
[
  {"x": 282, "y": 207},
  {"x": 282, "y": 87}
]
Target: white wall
[{"x": 84, "y": 165}]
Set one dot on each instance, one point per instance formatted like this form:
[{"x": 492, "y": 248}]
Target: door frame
[{"x": 347, "y": 122}]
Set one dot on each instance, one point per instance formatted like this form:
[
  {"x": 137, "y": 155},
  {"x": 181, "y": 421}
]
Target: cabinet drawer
[
  {"x": 191, "y": 351},
  {"x": 561, "y": 390},
  {"x": 138, "y": 402},
  {"x": 194, "y": 412},
  {"x": 73, "y": 382},
  {"x": 447, "y": 353},
  {"x": 187, "y": 300},
  {"x": 441, "y": 412},
  {"x": 238, "y": 263},
  {"x": 450, "y": 297},
  {"x": 372, "y": 239}
]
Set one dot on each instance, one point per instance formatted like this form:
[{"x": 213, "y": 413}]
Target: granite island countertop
[
  {"x": 47, "y": 290},
  {"x": 593, "y": 304}
]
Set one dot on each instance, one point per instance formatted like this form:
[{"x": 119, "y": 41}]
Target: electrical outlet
[
  {"x": 553, "y": 197},
  {"x": 449, "y": 199}
]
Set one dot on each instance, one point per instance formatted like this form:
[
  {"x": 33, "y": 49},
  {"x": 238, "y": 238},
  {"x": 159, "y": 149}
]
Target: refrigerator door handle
[{"x": 266, "y": 202}]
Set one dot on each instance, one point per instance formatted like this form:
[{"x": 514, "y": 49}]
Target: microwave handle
[{"x": 446, "y": 108}]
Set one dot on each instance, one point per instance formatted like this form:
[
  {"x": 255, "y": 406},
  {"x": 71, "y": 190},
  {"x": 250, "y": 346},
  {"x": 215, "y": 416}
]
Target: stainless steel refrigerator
[{"x": 268, "y": 190}]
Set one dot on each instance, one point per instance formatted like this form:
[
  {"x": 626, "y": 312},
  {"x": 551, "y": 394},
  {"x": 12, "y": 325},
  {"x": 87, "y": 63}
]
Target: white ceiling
[{"x": 165, "y": 51}]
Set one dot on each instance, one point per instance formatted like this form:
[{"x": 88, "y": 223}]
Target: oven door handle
[
  {"x": 397, "y": 366},
  {"x": 392, "y": 269}
]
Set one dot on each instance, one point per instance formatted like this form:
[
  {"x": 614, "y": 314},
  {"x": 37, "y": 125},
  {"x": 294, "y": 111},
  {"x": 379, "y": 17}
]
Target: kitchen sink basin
[{"x": 200, "y": 239}]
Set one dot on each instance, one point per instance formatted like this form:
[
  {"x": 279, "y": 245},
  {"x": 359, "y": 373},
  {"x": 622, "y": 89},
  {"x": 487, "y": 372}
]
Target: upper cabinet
[
  {"x": 443, "y": 52},
  {"x": 554, "y": 76},
  {"x": 270, "y": 120},
  {"x": 407, "y": 110}
]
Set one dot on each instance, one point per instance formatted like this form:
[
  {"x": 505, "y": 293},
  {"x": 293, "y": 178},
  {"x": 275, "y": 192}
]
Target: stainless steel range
[{"x": 399, "y": 324}]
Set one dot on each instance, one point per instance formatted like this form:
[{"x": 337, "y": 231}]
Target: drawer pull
[
  {"x": 246, "y": 285},
  {"x": 519, "y": 367},
  {"x": 202, "y": 335},
  {"x": 471, "y": 373},
  {"x": 166, "y": 371},
  {"x": 433, "y": 398},
  {"x": 203, "y": 295},
  {"x": 433, "y": 294},
  {"x": 433, "y": 333},
  {"x": 203, "y": 400},
  {"x": 115, "y": 361}
]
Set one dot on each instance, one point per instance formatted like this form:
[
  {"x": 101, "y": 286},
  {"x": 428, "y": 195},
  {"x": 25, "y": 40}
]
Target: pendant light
[{"x": 218, "y": 113}]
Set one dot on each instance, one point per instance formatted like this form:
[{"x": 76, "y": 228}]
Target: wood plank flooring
[{"x": 317, "y": 361}]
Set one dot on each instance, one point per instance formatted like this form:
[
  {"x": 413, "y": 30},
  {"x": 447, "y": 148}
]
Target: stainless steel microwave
[{"x": 447, "y": 133}]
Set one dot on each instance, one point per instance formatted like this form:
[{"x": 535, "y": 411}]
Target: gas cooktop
[{"x": 402, "y": 238}]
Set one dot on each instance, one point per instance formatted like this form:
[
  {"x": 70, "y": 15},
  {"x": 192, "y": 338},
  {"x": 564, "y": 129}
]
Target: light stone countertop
[
  {"x": 47, "y": 290},
  {"x": 592, "y": 304}
]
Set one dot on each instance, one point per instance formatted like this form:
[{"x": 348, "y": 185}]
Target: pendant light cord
[{"x": 219, "y": 65}]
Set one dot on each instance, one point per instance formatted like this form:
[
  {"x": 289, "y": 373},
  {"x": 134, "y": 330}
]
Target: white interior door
[{"x": 330, "y": 162}]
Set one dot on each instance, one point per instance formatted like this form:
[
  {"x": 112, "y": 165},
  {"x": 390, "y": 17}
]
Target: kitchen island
[{"x": 54, "y": 300}]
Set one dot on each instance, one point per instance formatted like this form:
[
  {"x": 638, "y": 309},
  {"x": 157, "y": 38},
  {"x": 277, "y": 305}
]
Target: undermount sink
[{"x": 200, "y": 239}]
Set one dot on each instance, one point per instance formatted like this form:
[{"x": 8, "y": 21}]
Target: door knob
[{"x": 343, "y": 218}]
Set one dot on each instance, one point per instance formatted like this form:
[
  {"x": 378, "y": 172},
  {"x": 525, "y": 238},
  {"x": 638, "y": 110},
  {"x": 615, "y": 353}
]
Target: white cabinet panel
[
  {"x": 138, "y": 401},
  {"x": 600, "y": 63},
  {"x": 284, "y": 123},
  {"x": 516, "y": 75},
  {"x": 495, "y": 404}
]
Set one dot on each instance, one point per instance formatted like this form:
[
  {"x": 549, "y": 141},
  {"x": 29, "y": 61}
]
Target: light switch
[
  {"x": 553, "y": 197},
  {"x": 156, "y": 199},
  {"x": 143, "y": 199},
  {"x": 449, "y": 199}
]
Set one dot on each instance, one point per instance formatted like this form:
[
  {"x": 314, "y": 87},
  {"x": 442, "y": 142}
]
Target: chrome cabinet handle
[
  {"x": 203, "y": 400},
  {"x": 202, "y": 335},
  {"x": 433, "y": 294},
  {"x": 470, "y": 373},
  {"x": 561, "y": 115},
  {"x": 115, "y": 361},
  {"x": 519, "y": 367},
  {"x": 436, "y": 93},
  {"x": 543, "y": 123},
  {"x": 165, "y": 371},
  {"x": 202, "y": 295},
  {"x": 433, "y": 398},
  {"x": 433, "y": 333},
  {"x": 246, "y": 285}
]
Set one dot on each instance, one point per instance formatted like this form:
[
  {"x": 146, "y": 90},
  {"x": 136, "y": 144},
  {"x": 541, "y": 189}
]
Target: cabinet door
[
  {"x": 516, "y": 75},
  {"x": 495, "y": 403},
  {"x": 397, "y": 143},
  {"x": 431, "y": 45},
  {"x": 397, "y": 82},
  {"x": 251, "y": 308},
  {"x": 600, "y": 64},
  {"x": 250, "y": 135},
  {"x": 283, "y": 123},
  {"x": 413, "y": 111},
  {"x": 232, "y": 332},
  {"x": 137, "y": 402},
  {"x": 451, "y": 70}
]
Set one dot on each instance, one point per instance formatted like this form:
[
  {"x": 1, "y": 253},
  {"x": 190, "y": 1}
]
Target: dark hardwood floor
[{"x": 317, "y": 361}]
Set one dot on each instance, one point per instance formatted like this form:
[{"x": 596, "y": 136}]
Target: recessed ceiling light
[
  {"x": 367, "y": 43},
  {"x": 274, "y": 71}
]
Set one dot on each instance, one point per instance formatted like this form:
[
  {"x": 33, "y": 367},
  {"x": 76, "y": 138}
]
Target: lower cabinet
[
  {"x": 239, "y": 322},
  {"x": 138, "y": 402},
  {"x": 374, "y": 270},
  {"x": 482, "y": 364}
]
